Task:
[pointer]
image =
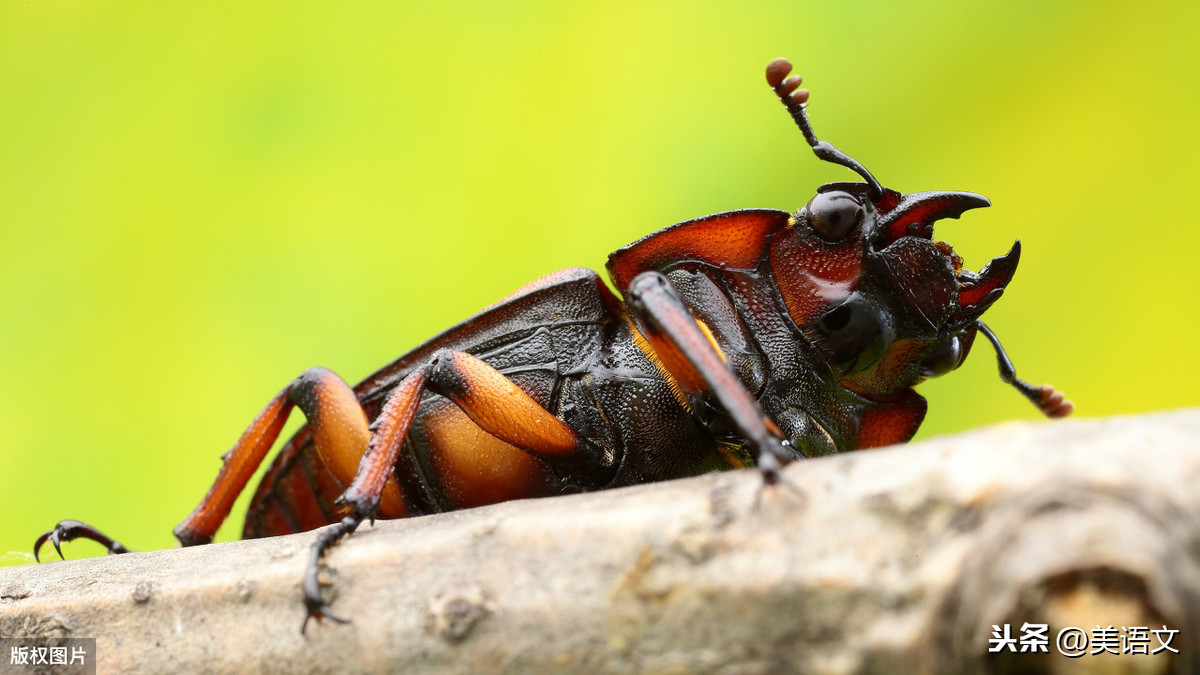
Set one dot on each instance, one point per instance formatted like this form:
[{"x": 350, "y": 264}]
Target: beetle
[{"x": 746, "y": 338}]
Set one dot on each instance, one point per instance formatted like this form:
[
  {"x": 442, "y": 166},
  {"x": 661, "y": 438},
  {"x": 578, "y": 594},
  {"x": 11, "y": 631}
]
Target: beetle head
[{"x": 861, "y": 275}]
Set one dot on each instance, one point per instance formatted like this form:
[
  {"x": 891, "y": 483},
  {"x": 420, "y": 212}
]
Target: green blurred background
[{"x": 197, "y": 203}]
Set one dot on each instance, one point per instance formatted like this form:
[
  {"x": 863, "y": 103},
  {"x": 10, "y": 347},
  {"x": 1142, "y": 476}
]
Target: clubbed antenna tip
[{"x": 787, "y": 88}]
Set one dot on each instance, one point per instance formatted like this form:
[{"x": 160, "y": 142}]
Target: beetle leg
[
  {"x": 240, "y": 463},
  {"x": 313, "y": 602},
  {"x": 67, "y": 530},
  {"x": 374, "y": 469},
  {"x": 690, "y": 355},
  {"x": 340, "y": 433},
  {"x": 491, "y": 400}
]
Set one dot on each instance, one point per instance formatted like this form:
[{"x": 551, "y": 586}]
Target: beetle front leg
[
  {"x": 491, "y": 400},
  {"x": 690, "y": 354}
]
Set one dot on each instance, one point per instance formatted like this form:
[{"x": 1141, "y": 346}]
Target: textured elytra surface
[{"x": 897, "y": 561}]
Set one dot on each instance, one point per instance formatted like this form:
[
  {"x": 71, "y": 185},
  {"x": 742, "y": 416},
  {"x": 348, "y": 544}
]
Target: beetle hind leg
[
  {"x": 239, "y": 465},
  {"x": 68, "y": 530},
  {"x": 340, "y": 434}
]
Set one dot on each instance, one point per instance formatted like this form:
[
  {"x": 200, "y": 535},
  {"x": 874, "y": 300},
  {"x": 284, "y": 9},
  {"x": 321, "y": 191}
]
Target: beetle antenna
[
  {"x": 1045, "y": 397},
  {"x": 786, "y": 87}
]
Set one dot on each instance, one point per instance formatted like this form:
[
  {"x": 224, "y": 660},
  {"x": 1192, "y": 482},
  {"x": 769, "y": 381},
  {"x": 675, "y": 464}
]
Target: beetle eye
[
  {"x": 943, "y": 359},
  {"x": 853, "y": 336},
  {"x": 833, "y": 215}
]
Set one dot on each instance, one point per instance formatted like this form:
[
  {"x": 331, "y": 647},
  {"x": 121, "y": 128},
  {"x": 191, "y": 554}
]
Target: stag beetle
[{"x": 751, "y": 337}]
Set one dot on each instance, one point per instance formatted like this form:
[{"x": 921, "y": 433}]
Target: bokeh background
[{"x": 198, "y": 201}]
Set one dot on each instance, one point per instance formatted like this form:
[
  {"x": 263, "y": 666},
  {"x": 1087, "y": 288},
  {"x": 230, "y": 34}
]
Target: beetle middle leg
[{"x": 492, "y": 402}]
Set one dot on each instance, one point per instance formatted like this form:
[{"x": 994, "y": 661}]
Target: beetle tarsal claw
[
  {"x": 768, "y": 465},
  {"x": 69, "y": 530},
  {"x": 52, "y": 536},
  {"x": 773, "y": 479},
  {"x": 319, "y": 611}
]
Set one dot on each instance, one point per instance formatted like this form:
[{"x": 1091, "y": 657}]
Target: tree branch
[{"x": 896, "y": 561}]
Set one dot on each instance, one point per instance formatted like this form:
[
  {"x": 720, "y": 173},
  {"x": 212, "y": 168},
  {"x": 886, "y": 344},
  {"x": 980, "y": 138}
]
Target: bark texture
[{"x": 891, "y": 561}]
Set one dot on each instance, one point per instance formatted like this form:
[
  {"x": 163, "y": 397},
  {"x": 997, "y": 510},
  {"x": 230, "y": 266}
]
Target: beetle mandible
[{"x": 751, "y": 337}]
